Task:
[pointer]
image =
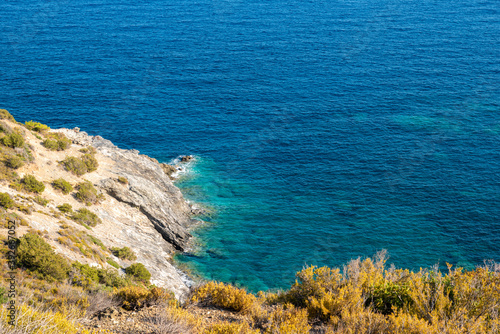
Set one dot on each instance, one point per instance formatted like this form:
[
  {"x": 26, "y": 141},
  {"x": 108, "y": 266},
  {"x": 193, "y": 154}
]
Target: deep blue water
[{"x": 324, "y": 130}]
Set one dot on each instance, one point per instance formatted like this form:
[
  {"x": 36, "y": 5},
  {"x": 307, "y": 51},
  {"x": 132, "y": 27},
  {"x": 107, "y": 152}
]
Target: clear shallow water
[{"x": 325, "y": 130}]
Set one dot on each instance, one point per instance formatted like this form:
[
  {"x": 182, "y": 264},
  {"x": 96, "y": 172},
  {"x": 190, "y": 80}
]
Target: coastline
[
  {"x": 147, "y": 213},
  {"x": 183, "y": 208}
]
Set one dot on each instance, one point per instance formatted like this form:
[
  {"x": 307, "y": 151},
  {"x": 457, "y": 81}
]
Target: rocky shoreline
[
  {"x": 147, "y": 213},
  {"x": 151, "y": 190}
]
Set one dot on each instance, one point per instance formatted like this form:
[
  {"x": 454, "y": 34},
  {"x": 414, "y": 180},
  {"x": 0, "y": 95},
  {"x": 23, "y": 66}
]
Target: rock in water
[{"x": 186, "y": 158}]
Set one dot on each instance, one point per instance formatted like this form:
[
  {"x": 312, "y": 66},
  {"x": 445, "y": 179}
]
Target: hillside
[{"x": 144, "y": 211}]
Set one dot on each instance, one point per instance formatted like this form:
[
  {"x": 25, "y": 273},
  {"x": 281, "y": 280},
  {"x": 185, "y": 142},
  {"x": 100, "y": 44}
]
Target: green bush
[
  {"x": 111, "y": 278},
  {"x": 14, "y": 162},
  {"x": 87, "y": 193},
  {"x": 124, "y": 253},
  {"x": 27, "y": 209},
  {"x": 36, "y": 126},
  {"x": 31, "y": 184},
  {"x": 88, "y": 149},
  {"x": 36, "y": 255},
  {"x": 87, "y": 217},
  {"x": 40, "y": 200},
  {"x": 388, "y": 297},
  {"x": 79, "y": 166},
  {"x": 66, "y": 208},
  {"x": 56, "y": 141},
  {"x": 51, "y": 144},
  {"x": 13, "y": 140},
  {"x": 138, "y": 272},
  {"x": 6, "y": 201},
  {"x": 90, "y": 273},
  {"x": 113, "y": 263},
  {"x": 4, "y": 114},
  {"x": 62, "y": 185},
  {"x": 90, "y": 161},
  {"x": 74, "y": 165}
]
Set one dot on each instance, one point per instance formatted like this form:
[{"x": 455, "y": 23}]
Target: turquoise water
[{"x": 323, "y": 130}]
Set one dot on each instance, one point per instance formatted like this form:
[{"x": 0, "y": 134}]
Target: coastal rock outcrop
[
  {"x": 148, "y": 189},
  {"x": 187, "y": 158},
  {"x": 168, "y": 169},
  {"x": 139, "y": 207}
]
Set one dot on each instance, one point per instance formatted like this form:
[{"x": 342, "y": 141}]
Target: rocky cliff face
[
  {"x": 147, "y": 214},
  {"x": 149, "y": 188}
]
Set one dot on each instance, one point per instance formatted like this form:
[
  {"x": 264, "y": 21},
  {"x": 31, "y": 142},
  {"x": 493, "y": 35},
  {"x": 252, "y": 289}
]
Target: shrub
[
  {"x": 16, "y": 185},
  {"x": 27, "y": 209},
  {"x": 4, "y": 114},
  {"x": 386, "y": 297},
  {"x": 175, "y": 320},
  {"x": 87, "y": 275},
  {"x": 88, "y": 149},
  {"x": 74, "y": 165},
  {"x": 13, "y": 140},
  {"x": 79, "y": 166},
  {"x": 160, "y": 296},
  {"x": 122, "y": 179},
  {"x": 87, "y": 193},
  {"x": 87, "y": 217},
  {"x": 66, "y": 208},
  {"x": 36, "y": 126},
  {"x": 111, "y": 278},
  {"x": 31, "y": 184},
  {"x": 62, "y": 185},
  {"x": 133, "y": 297},
  {"x": 51, "y": 144},
  {"x": 56, "y": 141},
  {"x": 139, "y": 272},
  {"x": 34, "y": 320},
  {"x": 38, "y": 257},
  {"x": 90, "y": 161},
  {"x": 289, "y": 320},
  {"x": 124, "y": 253},
  {"x": 14, "y": 162},
  {"x": 226, "y": 296},
  {"x": 41, "y": 201},
  {"x": 6, "y": 201},
  {"x": 113, "y": 263},
  {"x": 97, "y": 301}
]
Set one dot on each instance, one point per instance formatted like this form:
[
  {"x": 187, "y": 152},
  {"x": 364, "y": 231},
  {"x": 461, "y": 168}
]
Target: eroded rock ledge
[{"x": 149, "y": 188}]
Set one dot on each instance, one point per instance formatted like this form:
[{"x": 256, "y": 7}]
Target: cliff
[{"x": 146, "y": 213}]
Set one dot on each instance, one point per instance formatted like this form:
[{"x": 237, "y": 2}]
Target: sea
[{"x": 322, "y": 130}]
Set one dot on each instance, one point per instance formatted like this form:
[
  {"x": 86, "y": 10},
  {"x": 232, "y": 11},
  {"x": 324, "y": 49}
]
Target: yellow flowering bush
[{"x": 226, "y": 296}]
